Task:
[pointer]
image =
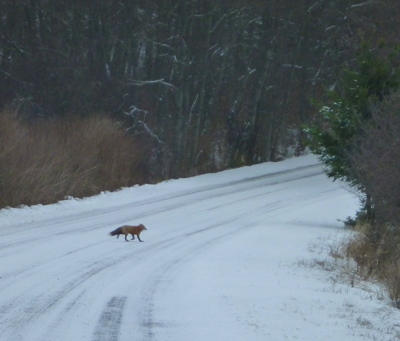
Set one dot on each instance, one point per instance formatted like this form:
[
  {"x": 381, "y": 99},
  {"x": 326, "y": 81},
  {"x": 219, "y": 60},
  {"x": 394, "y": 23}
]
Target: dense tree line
[
  {"x": 353, "y": 121},
  {"x": 204, "y": 84}
]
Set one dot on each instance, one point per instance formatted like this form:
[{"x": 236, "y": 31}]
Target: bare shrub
[
  {"x": 375, "y": 248},
  {"x": 375, "y": 159},
  {"x": 363, "y": 254},
  {"x": 49, "y": 160},
  {"x": 391, "y": 280}
]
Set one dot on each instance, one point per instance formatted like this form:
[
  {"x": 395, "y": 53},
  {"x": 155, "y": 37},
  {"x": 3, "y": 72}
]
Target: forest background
[{"x": 98, "y": 95}]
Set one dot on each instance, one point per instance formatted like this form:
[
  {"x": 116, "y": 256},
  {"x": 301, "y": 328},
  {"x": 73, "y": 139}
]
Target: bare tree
[
  {"x": 222, "y": 83},
  {"x": 375, "y": 159}
]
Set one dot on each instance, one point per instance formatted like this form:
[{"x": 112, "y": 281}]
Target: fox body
[{"x": 128, "y": 229}]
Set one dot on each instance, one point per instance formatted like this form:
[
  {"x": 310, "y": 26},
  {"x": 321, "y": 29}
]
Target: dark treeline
[{"x": 205, "y": 84}]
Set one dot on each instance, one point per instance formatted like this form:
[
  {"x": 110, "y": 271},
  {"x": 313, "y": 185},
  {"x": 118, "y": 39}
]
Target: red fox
[{"x": 127, "y": 229}]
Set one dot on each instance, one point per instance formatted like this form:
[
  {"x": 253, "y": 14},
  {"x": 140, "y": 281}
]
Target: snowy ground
[{"x": 227, "y": 256}]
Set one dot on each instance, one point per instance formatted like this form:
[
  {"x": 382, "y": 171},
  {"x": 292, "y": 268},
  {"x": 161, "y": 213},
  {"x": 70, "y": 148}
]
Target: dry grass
[
  {"x": 47, "y": 161},
  {"x": 391, "y": 280},
  {"x": 376, "y": 252},
  {"x": 371, "y": 254}
]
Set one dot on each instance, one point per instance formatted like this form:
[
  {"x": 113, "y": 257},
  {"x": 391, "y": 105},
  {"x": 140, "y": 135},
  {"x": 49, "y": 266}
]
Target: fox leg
[
  {"x": 139, "y": 238},
  {"x": 126, "y": 239},
  {"x": 133, "y": 237}
]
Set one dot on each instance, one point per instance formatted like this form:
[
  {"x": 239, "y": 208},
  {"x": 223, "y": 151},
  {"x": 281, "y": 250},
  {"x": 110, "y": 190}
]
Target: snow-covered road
[{"x": 218, "y": 262}]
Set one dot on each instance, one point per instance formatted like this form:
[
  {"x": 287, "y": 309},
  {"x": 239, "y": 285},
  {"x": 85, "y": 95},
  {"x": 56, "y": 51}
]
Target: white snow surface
[{"x": 227, "y": 256}]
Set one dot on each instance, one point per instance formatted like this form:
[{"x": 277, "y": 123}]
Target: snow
[{"x": 229, "y": 256}]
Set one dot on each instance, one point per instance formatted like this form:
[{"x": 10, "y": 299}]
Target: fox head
[{"x": 142, "y": 227}]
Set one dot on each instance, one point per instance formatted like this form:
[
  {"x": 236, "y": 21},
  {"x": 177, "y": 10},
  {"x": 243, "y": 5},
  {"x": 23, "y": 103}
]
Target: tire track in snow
[
  {"x": 147, "y": 322},
  {"x": 38, "y": 305},
  {"x": 109, "y": 323}
]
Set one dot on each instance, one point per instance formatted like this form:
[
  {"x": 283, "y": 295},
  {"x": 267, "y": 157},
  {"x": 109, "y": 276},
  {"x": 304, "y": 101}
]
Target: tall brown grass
[
  {"x": 46, "y": 161},
  {"x": 376, "y": 251}
]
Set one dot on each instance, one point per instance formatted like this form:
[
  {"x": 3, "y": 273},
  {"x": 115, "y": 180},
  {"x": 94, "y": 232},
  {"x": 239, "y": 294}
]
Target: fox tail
[{"x": 117, "y": 231}]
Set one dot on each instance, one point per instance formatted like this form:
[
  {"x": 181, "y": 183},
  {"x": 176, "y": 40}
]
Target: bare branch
[
  {"x": 365, "y": 4},
  {"x": 134, "y": 114},
  {"x": 153, "y": 82}
]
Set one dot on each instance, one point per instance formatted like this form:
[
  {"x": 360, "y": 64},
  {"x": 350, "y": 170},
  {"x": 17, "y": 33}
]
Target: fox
[{"x": 128, "y": 229}]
